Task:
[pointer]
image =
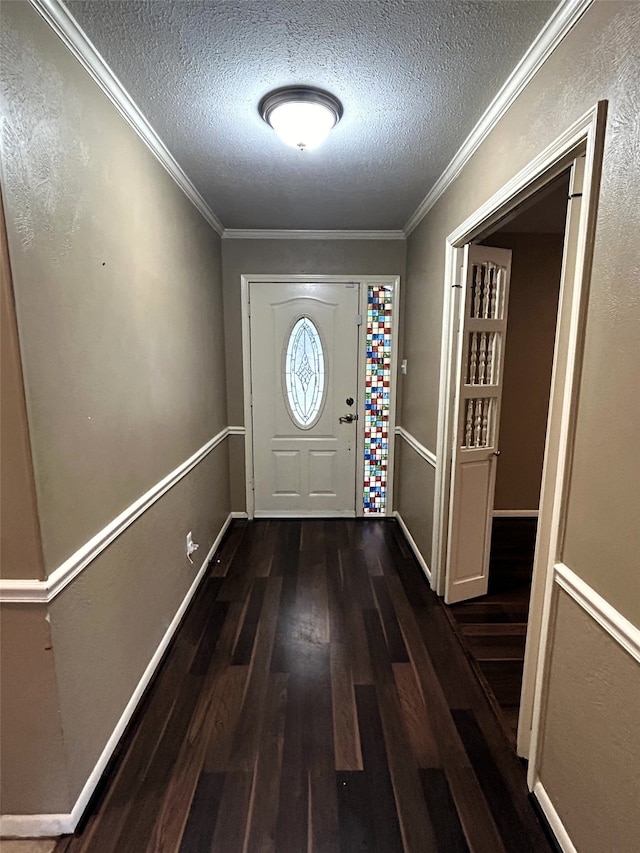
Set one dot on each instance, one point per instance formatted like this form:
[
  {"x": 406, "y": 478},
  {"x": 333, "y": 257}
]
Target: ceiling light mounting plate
[
  {"x": 299, "y": 94},
  {"x": 301, "y": 115}
]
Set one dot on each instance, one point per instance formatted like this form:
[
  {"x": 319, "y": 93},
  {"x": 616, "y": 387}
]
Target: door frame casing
[
  {"x": 583, "y": 139},
  {"x": 246, "y": 280}
]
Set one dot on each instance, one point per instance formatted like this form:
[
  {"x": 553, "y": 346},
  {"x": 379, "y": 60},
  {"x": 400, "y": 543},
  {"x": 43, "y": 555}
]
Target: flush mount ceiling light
[{"x": 301, "y": 115}]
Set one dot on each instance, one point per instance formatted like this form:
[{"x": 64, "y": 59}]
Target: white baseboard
[
  {"x": 43, "y": 825},
  {"x": 553, "y": 818},
  {"x": 239, "y": 515},
  {"x": 414, "y": 547},
  {"x": 34, "y": 825},
  {"x": 515, "y": 513},
  {"x": 295, "y": 513}
]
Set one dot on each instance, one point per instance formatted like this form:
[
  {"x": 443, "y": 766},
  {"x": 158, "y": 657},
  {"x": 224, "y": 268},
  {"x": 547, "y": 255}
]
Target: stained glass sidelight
[
  {"x": 304, "y": 373},
  {"x": 377, "y": 398}
]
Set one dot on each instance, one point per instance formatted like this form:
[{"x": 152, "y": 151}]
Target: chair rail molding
[
  {"x": 624, "y": 632},
  {"x": 28, "y": 591},
  {"x": 420, "y": 449}
]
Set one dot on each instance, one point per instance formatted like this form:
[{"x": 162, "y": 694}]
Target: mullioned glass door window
[{"x": 304, "y": 373}]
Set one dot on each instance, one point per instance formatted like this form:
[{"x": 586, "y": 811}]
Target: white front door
[
  {"x": 304, "y": 384},
  {"x": 480, "y": 359}
]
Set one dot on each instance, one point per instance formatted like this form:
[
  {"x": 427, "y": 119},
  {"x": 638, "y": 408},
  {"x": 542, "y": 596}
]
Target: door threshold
[{"x": 314, "y": 513}]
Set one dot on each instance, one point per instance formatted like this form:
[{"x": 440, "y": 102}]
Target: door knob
[
  {"x": 496, "y": 452},
  {"x": 348, "y": 419}
]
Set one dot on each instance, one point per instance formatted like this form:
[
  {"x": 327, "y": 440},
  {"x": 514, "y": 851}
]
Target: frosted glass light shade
[
  {"x": 302, "y": 117},
  {"x": 302, "y": 125}
]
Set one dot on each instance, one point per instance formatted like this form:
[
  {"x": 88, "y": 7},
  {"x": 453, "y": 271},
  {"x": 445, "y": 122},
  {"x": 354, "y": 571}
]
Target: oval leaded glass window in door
[{"x": 304, "y": 373}]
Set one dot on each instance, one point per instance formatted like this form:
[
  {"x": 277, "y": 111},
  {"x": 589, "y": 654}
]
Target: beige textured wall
[
  {"x": 20, "y": 547},
  {"x": 422, "y": 331},
  {"x": 237, "y": 474},
  {"x": 118, "y": 291},
  {"x": 286, "y": 257},
  {"x": 591, "y": 749},
  {"x": 418, "y": 479},
  {"x": 598, "y": 60},
  {"x": 533, "y": 305},
  {"x": 34, "y": 771},
  {"x": 115, "y": 277}
]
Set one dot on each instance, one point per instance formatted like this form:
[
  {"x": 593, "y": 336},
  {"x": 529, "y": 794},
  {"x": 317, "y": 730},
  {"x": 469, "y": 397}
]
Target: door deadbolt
[{"x": 349, "y": 401}]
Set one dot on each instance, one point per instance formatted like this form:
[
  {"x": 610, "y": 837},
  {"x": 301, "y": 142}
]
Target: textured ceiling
[{"x": 414, "y": 77}]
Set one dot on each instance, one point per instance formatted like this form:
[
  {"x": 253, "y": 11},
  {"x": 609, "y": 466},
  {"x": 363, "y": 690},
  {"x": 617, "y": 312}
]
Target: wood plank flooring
[
  {"x": 315, "y": 698},
  {"x": 493, "y": 628}
]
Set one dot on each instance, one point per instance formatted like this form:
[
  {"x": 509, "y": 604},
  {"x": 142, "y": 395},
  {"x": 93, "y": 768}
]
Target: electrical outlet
[{"x": 191, "y": 546}]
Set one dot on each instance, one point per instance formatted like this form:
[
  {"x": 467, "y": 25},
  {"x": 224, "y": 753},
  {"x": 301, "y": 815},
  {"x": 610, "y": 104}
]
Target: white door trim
[
  {"x": 364, "y": 280},
  {"x": 585, "y": 139}
]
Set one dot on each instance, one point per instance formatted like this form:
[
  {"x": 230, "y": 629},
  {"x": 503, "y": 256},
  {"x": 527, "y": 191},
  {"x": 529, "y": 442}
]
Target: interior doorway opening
[
  {"x": 580, "y": 149},
  {"x": 493, "y": 627}
]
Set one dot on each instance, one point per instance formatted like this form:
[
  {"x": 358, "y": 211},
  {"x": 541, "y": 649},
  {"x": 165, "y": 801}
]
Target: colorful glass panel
[
  {"x": 377, "y": 398},
  {"x": 304, "y": 373}
]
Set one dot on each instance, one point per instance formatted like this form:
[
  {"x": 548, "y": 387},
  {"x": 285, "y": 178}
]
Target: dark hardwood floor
[
  {"x": 315, "y": 698},
  {"x": 493, "y": 627}
]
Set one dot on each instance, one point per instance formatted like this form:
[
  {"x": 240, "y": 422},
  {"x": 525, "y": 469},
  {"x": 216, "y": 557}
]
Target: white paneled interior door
[
  {"x": 481, "y": 346},
  {"x": 304, "y": 383}
]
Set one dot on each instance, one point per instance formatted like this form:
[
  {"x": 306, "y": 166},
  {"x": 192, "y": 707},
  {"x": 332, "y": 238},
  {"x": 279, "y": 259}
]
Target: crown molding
[
  {"x": 56, "y": 14},
  {"x": 292, "y": 234},
  {"x": 563, "y": 19}
]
